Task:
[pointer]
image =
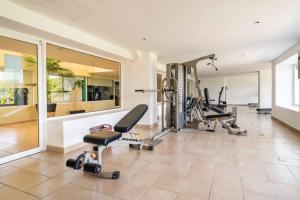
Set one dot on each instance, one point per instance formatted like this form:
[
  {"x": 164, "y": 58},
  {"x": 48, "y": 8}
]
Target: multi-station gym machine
[{"x": 175, "y": 91}]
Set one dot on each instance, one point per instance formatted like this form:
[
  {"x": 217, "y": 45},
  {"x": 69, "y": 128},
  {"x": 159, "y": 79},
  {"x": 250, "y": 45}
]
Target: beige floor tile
[
  {"x": 106, "y": 186},
  {"x": 171, "y": 170},
  {"x": 141, "y": 183},
  {"x": 289, "y": 162},
  {"x": 186, "y": 197},
  {"x": 130, "y": 170},
  {"x": 286, "y": 153},
  {"x": 34, "y": 165},
  {"x": 280, "y": 174},
  {"x": 22, "y": 179},
  {"x": 93, "y": 195},
  {"x": 155, "y": 194},
  {"x": 66, "y": 192},
  {"x": 184, "y": 186},
  {"x": 52, "y": 184},
  {"x": 6, "y": 170},
  {"x": 257, "y": 196},
  {"x": 202, "y": 172},
  {"x": 13, "y": 194},
  {"x": 50, "y": 157},
  {"x": 55, "y": 170},
  {"x": 228, "y": 171},
  {"x": 271, "y": 189},
  {"x": 295, "y": 171},
  {"x": 226, "y": 188}
]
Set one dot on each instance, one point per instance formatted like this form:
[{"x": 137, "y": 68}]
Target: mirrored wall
[
  {"x": 18, "y": 96},
  {"x": 80, "y": 83}
]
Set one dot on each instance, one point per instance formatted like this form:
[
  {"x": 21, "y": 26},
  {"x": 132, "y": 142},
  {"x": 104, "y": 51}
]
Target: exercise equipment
[
  {"x": 227, "y": 120},
  {"x": 253, "y": 105},
  {"x": 221, "y": 104},
  {"x": 171, "y": 101},
  {"x": 91, "y": 161},
  {"x": 264, "y": 110},
  {"x": 199, "y": 105},
  {"x": 180, "y": 109},
  {"x": 209, "y": 105}
]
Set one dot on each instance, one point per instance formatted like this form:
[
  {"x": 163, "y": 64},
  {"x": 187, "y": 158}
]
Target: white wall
[
  {"x": 66, "y": 132},
  {"x": 242, "y": 88},
  {"x": 288, "y": 116},
  {"x": 265, "y": 88},
  {"x": 141, "y": 74}
]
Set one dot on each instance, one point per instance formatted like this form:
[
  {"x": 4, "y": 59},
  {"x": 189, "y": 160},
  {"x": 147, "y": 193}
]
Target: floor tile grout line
[
  {"x": 211, "y": 185},
  {"x": 293, "y": 174},
  {"x": 19, "y": 190}
]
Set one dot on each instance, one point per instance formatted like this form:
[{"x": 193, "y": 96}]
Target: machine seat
[
  {"x": 218, "y": 115},
  {"x": 102, "y": 137}
]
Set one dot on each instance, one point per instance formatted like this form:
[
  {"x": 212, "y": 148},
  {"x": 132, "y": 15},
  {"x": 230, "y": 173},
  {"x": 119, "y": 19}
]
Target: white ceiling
[{"x": 180, "y": 30}]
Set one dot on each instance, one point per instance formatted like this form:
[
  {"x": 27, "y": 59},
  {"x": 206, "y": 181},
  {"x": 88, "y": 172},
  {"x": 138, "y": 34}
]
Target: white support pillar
[
  {"x": 265, "y": 88},
  {"x": 141, "y": 74}
]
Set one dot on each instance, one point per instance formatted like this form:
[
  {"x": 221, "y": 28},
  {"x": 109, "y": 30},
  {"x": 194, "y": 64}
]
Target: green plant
[{"x": 54, "y": 67}]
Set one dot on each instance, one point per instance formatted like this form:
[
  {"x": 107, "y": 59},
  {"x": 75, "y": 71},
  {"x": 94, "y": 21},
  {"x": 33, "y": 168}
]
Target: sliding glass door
[{"x": 19, "y": 117}]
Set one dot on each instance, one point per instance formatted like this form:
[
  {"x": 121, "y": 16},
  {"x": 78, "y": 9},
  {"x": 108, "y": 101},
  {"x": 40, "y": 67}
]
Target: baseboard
[
  {"x": 146, "y": 126},
  {"x": 285, "y": 124},
  {"x": 66, "y": 149}
]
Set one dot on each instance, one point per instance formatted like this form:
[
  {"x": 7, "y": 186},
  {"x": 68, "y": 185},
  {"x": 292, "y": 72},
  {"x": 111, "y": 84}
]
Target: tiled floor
[
  {"x": 190, "y": 165},
  {"x": 17, "y": 137}
]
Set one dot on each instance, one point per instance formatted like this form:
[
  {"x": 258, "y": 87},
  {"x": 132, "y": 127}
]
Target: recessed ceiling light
[{"x": 257, "y": 22}]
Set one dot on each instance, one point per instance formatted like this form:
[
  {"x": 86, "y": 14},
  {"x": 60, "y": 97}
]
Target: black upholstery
[
  {"x": 102, "y": 137},
  {"x": 218, "y": 115},
  {"x": 123, "y": 126},
  {"x": 207, "y": 98},
  {"x": 129, "y": 120},
  {"x": 219, "y": 108}
]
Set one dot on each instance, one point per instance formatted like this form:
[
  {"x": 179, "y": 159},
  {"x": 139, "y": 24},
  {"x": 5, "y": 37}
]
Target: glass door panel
[{"x": 19, "y": 129}]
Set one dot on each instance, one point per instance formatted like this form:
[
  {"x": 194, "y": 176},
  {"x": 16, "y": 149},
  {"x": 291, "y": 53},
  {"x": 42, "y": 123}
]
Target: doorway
[{"x": 19, "y": 99}]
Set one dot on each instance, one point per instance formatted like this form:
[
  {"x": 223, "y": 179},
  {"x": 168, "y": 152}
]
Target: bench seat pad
[
  {"x": 131, "y": 118},
  {"x": 102, "y": 137},
  {"x": 218, "y": 115}
]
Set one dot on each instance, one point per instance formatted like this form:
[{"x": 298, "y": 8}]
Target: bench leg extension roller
[{"x": 91, "y": 162}]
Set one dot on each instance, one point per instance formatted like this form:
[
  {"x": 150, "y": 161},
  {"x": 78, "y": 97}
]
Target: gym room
[{"x": 149, "y": 100}]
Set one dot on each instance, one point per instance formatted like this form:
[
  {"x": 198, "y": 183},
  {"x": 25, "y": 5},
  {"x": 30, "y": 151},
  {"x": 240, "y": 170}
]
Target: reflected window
[{"x": 79, "y": 82}]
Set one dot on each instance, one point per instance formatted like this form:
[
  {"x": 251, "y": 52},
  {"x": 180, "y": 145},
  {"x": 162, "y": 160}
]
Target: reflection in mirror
[
  {"x": 78, "y": 82},
  {"x": 18, "y": 96}
]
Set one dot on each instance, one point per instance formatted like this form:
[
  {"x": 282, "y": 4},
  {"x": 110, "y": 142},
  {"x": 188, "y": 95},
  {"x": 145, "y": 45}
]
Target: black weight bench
[
  {"x": 91, "y": 161},
  {"x": 103, "y": 138}
]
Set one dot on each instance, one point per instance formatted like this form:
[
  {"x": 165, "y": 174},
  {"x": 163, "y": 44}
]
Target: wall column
[{"x": 141, "y": 74}]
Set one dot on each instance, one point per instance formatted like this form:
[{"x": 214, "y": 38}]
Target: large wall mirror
[
  {"x": 79, "y": 82},
  {"x": 18, "y": 96}
]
